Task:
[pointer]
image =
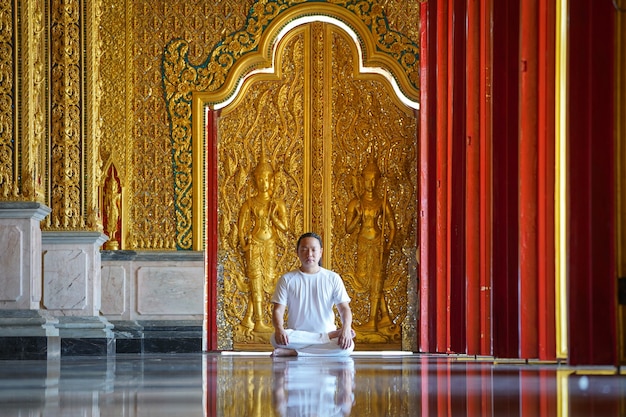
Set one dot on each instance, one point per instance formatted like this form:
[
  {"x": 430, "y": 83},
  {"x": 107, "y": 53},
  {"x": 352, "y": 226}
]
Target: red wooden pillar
[
  {"x": 486, "y": 57},
  {"x": 546, "y": 175},
  {"x": 591, "y": 184},
  {"x": 442, "y": 175},
  {"x": 427, "y": 170},
  {"x": 528, "y": 179},
  {"x": 210, "y": 261},
  {"x": 472, "y": 179},
  {"x": 505, "y": 95},
  {"x": 456, "y": 177}
]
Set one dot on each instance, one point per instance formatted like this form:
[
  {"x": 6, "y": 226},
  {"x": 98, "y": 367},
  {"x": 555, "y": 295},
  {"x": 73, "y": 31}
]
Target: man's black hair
[{"x": 310, "y": 234}]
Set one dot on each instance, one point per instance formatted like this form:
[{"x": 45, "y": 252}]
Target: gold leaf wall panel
[
  {"x": 104, "y": 106},
  {"x": 319, "y": 123},
  {"x": 136, "y": 130},
  {"x": 372, "y": 130},
  {"x": 8, "y": 146},
  {"x": 216, "y": 78},
  {"x": 22, "y": 102},
  {"x": 67, "y": 171},
  {"x": 267, "y": 123}
]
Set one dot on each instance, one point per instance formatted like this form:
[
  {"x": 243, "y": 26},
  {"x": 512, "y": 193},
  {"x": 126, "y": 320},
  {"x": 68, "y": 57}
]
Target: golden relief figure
[
  {"x": 291, "y": 145},
  {"x": 260, "y": 199},
  {"x": 373, "y": 219},
  {"x": 375, "y": 178},
  {"x": 260, "y": 217},
  {"x": 112, "y": 208}
]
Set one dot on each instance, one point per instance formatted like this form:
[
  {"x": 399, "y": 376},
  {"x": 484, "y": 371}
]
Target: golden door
[{"x": 317, "y": 145}]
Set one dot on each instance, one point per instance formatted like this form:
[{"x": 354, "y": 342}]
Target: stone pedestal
[
  {"x": 20, "y": 254},
  {"x": 86, "y": 336},
  {"x": 71, "y": 266},
  {"x": 26, "y": 332},
  {"x": 154, "y": 299},
  {"x": 72, "y": 291}
]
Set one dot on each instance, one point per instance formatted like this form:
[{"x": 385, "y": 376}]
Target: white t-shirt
[{"x": 310, "y": 299}]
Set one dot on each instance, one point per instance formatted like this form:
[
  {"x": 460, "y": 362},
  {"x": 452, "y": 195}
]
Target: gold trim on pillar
[{"x": 560, "y": 193}]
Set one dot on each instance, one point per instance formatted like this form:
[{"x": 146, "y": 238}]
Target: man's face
[{"x": 309, "y": 252}]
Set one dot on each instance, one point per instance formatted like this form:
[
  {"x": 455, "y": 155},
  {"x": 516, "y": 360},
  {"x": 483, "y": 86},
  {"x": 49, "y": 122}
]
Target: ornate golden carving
[
  {"x": 65, "y": 128},
  {"x": 267, "y": 121},
  {"x": 251, "y": 48},
  {"x": 372, "y": 218},
  {"x": 34, "y": 126},
  {"x": 261, "y": 217},
  {"x": 112, "y": 209},
  {"x": 8, "y": 144},
  {"x": 75, "y": 117},
  {"x": 368, "y": 120},
  {"x": 155, "y": 220},
  {"x": 93, "y": 122},
  {"x": 318, "y": 169}
]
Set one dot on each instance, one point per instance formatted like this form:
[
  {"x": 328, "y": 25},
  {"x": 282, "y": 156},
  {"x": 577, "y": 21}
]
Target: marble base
[
  {"x": 140, "y": 286},
  {"x": 28, "y": 334},
  {"x": 72, "y": 272},
  {"x": 29, "y": 348},
  {"x": 20, "y": 254},
  {"x": 86, "y": 336},
  {"x": 166, "y": 336},
  {"x": 87, "y": 347}
]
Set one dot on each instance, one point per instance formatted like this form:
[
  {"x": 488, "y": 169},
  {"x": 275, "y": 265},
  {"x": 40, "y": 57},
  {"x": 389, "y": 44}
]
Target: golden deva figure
[
  {"x": 112, "y": 208},
  {"x": 260, "y": 217},
  {"x": 373, "y": 217}
]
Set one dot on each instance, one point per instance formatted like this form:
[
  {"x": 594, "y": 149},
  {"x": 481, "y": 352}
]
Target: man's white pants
[{"x": 312, "y": 344}]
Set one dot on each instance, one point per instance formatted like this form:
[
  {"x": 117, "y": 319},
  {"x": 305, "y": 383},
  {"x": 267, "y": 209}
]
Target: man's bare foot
[
  {"x": 335, "y": 333},
  {"x": 279, "y": 352}
]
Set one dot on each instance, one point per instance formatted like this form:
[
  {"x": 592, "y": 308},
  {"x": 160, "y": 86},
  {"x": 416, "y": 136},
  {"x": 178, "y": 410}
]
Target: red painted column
[
  {"x": 486, "y": 58},
  {"x": 457, "y": 327},
  {"x": 528, "y": 179},
  {"x": 504, "y": 262},
  {"x": 427, "y": 192},
  {"x": 472, "y": 178},
  {"x": 210, "y": 261},
  {"x": 592, "y": 309},
  {"x": 546, "y": 175},
  {"x": 442, "y": 175}
]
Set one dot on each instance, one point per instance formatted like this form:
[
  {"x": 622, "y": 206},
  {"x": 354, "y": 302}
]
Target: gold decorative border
[
  {"x": 250, "y": 49},
  {"x": 560, "y": 192}
]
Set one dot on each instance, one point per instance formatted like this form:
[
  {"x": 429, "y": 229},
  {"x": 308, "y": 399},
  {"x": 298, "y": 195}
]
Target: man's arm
[
  {"x": 345, "y": 338},
  {"x": 278, "y": 318}
]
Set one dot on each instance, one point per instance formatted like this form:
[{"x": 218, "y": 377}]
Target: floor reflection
[
  {"x": 313, "y": 386},
  {"x": 367, "y": 385}
]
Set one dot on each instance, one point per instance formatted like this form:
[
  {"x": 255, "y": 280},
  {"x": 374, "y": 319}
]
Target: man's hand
[
  {"x": 278, "y": 314},
  {"x": 347, "y": 334},
  {"x": 281, "y": 337},
  {"x": 345, "y": 338}
]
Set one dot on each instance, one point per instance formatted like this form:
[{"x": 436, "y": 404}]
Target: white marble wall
[
  {"x": 20, "y": 254},
  {"x": 153, "y": 286}
]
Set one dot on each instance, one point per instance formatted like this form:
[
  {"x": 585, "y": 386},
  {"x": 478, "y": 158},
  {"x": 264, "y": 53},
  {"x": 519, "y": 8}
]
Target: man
[{"x": 309, "y": 294}]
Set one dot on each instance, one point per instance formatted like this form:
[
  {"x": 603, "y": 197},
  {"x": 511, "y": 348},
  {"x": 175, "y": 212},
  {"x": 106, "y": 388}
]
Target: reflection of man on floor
[
  {"x": 309, "y": 294},
  {"x": 313, "y": 387}
]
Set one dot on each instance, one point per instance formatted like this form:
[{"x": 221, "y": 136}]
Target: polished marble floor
[{"x": 366, "y": 384}]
